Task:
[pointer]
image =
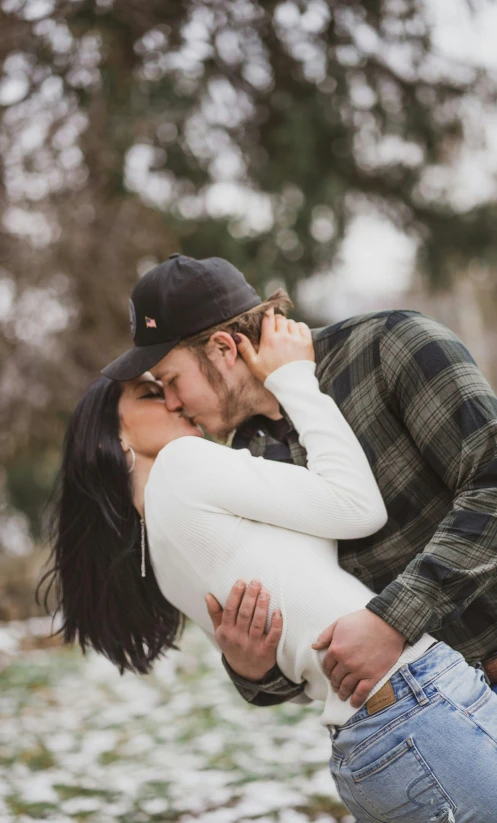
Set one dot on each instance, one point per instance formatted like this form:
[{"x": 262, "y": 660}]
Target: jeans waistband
[{"x": 412, "y": 677}]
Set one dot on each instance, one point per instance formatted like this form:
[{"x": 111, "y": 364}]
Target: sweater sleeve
[{"x": 335, "y": 497}]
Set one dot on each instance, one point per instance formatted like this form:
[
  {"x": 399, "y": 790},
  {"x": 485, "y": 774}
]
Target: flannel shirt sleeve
[
  {"x": 450, "y": 411},
  {"x": 274, "y": 688}
]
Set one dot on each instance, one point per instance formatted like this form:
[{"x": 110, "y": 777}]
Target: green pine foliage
[{"x": 251, "y": 130}]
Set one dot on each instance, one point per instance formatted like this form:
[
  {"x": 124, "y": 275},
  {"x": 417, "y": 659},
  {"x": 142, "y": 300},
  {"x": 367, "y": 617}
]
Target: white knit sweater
[{"x": 216, "y": 514}]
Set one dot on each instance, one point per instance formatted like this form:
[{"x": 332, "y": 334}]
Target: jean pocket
[
  {"x": 483, "y": 699},
  {"x": 401, "y": 786},
  {"x": 484, "y": 714},
  {"x": 474, "y": 698}
]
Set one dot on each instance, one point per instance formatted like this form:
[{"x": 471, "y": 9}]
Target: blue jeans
[{"x": 429, "y": 757}]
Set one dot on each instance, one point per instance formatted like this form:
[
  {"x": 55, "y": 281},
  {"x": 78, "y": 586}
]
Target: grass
[{"x": 80, "y": 743}]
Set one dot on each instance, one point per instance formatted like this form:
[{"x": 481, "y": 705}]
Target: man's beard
[{"x": 234, "y": 405}]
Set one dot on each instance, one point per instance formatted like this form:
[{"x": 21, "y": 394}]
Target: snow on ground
[{"x": 80, "y": 743}]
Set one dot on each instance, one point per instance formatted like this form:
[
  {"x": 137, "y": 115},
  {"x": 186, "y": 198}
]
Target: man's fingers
[
  {"x": 233, "y": 603},
  {"x": 260, "y": 614},
  {"x": 329, "y": 663},
  {"x": 337, "y": 674},
  {"x": 215, "y": 610},
  {"x": 361, "y": 693},
  {"x": 325, "y": 638},
  {"x": 347, "y": 686},
  {"x": 247, "y": 606},
  {"x": 321, "y": 644},
  {"x": 273, "y": 636}
]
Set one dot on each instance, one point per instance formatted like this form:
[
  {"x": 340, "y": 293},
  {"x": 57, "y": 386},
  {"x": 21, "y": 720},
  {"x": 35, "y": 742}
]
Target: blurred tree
[{"x": 254, "y": 131}]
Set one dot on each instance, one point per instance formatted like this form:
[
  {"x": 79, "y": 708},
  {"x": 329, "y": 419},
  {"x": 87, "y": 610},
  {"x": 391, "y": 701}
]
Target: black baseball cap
[{"x": 174, "y": 300}]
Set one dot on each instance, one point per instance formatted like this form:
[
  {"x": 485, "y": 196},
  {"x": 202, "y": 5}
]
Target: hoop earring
[{"x": 133, "y": 459}]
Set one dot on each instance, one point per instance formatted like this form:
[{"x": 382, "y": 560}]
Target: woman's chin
[{"x": 195, "y": 430}]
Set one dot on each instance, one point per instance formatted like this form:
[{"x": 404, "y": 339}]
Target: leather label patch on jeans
[{"x": 383, "y": 698}]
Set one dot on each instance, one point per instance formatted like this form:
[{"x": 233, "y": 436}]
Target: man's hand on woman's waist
[
  {"x": 362, "y": 648},
  {"x": 240, "y": 630}
]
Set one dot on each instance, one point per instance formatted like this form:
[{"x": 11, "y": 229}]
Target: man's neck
[{"x": 266, "y": 404}]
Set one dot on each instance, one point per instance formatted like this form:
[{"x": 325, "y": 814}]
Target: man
[{"x": 427, "y": 421}]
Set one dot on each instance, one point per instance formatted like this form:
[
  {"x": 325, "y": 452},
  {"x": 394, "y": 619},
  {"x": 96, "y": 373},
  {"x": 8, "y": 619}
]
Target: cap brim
[{"x": 138, "y": 360}]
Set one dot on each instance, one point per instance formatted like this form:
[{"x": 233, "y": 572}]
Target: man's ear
[{"x": 222, "y": 345}]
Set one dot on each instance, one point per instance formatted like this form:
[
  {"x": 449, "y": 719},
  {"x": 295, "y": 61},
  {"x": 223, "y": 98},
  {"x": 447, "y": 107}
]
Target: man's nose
[{"x": 172, "y": 401}]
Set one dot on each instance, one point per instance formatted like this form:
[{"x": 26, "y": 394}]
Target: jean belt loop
[{"x": 413, "y": 685}]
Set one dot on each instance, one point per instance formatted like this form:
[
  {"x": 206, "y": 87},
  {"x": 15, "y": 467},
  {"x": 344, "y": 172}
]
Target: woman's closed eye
[{"x": 156, "y": 391}]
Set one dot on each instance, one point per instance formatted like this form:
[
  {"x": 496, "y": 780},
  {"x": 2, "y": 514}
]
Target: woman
[{"x": 132, "y": 471}]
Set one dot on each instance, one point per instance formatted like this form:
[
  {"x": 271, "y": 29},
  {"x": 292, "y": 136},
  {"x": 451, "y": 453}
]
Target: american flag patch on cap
[{"x": 150, "y": 323}]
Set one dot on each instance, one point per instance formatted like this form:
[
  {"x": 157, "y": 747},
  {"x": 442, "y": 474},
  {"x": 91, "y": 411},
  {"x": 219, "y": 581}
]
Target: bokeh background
[{"x": 346, "y": 150}]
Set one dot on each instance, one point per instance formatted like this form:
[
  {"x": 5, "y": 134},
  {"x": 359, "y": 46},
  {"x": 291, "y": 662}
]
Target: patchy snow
[{"x": 80, "y": 742}]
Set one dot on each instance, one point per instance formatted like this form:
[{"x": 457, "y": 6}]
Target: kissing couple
[{"x": 358, "y": 494}]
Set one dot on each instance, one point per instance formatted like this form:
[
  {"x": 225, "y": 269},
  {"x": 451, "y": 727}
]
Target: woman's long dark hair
[{"x": 96, "y": 547}]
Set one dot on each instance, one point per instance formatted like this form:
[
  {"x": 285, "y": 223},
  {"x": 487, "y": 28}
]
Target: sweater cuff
[
  {"x": 401, "y": 608},
  {"x": 297, "y": 369}
]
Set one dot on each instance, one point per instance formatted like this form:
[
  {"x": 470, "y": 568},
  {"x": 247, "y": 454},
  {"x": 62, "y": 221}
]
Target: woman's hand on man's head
[
  {"x": 282, "y": 341},
  {"x": 240, "y": 629}
]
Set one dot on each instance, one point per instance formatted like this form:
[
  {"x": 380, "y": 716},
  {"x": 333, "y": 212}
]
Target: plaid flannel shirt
[{"x": 427, "y": 421}]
